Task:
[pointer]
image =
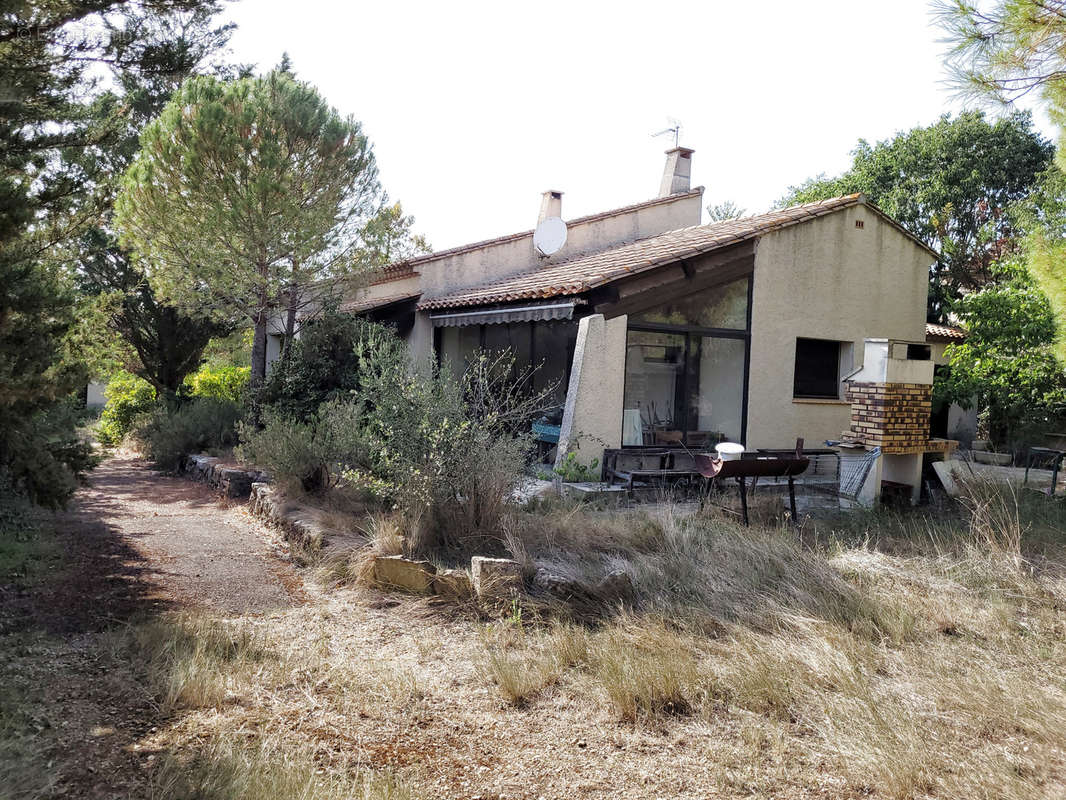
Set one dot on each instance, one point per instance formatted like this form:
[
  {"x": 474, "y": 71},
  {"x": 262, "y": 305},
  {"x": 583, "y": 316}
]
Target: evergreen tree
[
  {"x": 47, "y": 52},
  {"x": 167, "y": 343},
  {"x": 251, "y": 197}
]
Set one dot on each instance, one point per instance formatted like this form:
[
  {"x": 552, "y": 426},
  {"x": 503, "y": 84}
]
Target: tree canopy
[
  {"x": 250, "y": 196},
  {"x": 49, "y": 59},
  {"x": 1007, "y": 365},
  {"x": 951, "y": 185},
  {"x": 166, "y": 344}
]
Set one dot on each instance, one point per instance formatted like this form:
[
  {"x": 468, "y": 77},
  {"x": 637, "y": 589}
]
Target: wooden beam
[{"x": 645, "y": 292}]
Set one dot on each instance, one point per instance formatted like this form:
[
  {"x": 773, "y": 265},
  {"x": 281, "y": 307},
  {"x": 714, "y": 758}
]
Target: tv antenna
[{"x": 675, "y": 129}]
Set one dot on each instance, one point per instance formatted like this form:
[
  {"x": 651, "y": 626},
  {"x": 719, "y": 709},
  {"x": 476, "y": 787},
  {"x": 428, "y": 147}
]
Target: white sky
[{"x": 474, "y": 108}]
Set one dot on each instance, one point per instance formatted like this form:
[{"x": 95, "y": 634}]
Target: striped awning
[{"x": 533, "y": 312}]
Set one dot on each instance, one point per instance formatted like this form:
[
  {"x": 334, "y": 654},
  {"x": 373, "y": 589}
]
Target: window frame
[
  {"x": 690, "y": 333},
  {"x": 838, "y": 371}
]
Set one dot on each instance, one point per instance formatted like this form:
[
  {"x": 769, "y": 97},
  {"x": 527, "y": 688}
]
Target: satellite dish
[{"x": 550, "y": 236}]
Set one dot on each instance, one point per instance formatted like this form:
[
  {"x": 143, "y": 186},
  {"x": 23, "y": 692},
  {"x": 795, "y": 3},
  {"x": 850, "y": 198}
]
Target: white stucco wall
[
  {"x": 592, "y": 418},
  {"x": 96, "y": 394},
  {"x": 826, "y": 279}
]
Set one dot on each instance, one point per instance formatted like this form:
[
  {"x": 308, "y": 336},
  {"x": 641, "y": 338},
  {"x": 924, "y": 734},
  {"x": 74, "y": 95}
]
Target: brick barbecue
[{"x": 892, "y": 416}]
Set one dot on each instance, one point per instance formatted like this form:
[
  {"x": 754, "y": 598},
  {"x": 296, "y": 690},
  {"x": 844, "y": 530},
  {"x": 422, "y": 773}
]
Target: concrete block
[
  {"x": 495, "y": 577},
  {"x": 454, "y": 584},
  {"x": 235, "y": 483},
  {"x": 406, "y": 574}
]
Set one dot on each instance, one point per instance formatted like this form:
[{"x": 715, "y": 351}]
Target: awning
[{"x": 495, "y": 316}]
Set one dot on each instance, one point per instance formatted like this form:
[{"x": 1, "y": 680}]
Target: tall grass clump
[
  {"x": 225, "y": 770},
  {"x": 197, "y": 662},
  {"x": 703, "y": 569},
  {"x": 995, "y": 516}
]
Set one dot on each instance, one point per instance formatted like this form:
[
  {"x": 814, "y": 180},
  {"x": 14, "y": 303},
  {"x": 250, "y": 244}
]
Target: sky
[{"x": 475, "y": 109}]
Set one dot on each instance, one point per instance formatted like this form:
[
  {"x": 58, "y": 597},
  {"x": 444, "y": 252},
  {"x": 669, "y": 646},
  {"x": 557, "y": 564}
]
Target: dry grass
[
  {"x": 199, "y": 662},
  {"x": 383, "y": 535},
  {"x": 225, "y": 771},
  {"x": 920, "y": 657},
  {"x": 936, "y": 670},
  {"x": 907, "y": 656}
]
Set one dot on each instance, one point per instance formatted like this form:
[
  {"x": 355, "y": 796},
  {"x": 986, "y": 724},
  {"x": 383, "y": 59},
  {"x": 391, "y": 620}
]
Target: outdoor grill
[{"x": 754, "y": 466}]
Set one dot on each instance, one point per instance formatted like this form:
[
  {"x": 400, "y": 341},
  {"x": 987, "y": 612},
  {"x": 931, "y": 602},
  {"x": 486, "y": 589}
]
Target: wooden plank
[{"x": 644, "y": 292}]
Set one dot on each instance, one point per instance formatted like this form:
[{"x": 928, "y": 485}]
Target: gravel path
[
  {"x": 132, "y": 544},
  {"x": 199, "y": 550}
]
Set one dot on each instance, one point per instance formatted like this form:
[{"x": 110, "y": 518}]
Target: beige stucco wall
[
  {"x": 826, "y": 279},
  {"x": 516, "y": 254},
  {"x": 592, "y": 418}
]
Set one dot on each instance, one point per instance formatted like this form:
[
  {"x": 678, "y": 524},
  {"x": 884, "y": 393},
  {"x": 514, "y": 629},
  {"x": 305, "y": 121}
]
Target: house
[
  {"x": 950, "y": 421},
  {"x": 661, "y": 331}
]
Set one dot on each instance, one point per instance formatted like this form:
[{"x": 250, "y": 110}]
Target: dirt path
[
  {"x": 133, "y": 544},
  {"x": 201, "y": 551}
]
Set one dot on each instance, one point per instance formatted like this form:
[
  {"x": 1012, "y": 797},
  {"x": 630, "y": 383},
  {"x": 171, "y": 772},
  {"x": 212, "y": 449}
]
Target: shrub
[
  {"x": 302, "y": 454},
  {"x": 200, "y": 424},
  {"x": 219, "y": 383},
  {"x": 128, "y": 397},
  {"x": 320, "y": 366},
  {"x": 43, "y": 458},
  {"x": 447, "y": 451},
  {"x": 573, "y": 471}
]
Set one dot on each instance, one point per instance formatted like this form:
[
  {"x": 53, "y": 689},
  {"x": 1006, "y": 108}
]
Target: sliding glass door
[{"x": 686, "y": 382}]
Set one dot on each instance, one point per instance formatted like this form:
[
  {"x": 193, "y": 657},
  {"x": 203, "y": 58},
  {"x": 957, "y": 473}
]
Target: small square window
[{"x": 818, "y": 365}]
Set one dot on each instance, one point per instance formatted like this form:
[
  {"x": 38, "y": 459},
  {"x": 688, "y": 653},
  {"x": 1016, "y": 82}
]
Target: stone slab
[
  {"x": 406, "y": 574},
  {"x": 495, "y": 577}
]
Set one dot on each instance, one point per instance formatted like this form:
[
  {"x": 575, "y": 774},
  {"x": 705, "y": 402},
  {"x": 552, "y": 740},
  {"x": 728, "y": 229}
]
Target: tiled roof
[
  {"x": 581, "y": 274},
  {"x": 370, "y": 303},
  {"x": 403, "y": 269},
  {"x": 944, "y": 333}
]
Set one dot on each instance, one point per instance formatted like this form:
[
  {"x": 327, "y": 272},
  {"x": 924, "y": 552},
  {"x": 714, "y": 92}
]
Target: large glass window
[
  {"x": 686, "y": 368},
  {"x": 655, "y": 388},
  {"x": 723, "y": 306}
]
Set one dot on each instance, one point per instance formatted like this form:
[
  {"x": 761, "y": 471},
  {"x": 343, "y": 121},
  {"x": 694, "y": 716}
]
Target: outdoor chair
[{"x": 1045, "y": 458}]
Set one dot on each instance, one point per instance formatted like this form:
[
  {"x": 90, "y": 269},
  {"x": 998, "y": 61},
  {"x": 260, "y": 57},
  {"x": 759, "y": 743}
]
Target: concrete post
[{"x": 592, "y": 417}]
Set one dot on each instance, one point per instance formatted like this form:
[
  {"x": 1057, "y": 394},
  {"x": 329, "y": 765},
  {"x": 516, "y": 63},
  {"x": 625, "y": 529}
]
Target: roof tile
[
  {"x": 587, "y": 272},
  {"x": 944, "y": 332}
]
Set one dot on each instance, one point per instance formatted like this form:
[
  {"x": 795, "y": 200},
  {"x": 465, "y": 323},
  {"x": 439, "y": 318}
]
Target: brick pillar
[{"x": 892, "y": 416}]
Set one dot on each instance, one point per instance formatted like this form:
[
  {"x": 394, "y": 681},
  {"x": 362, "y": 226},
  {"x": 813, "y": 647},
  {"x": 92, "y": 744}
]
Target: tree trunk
[
  {"x": 259, "y": 350},
  {"x": 290, "y": 324}
]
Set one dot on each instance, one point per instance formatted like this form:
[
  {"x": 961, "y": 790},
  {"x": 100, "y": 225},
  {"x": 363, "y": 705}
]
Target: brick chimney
[
  {"x": 677, "y": 176},
  {"x": 551, "y": 205}
]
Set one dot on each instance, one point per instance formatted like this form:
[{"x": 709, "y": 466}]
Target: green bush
[
  {"x": 128, "y": 397},
  {"x": 321, "y": 366},
  {"x": 43, "y": 458},
  {"x": 447, "y": 451},
  {"x": 200, "y": 424},
  {"x": 306, "y": 455},
  {"x": 219, "y": 383}
]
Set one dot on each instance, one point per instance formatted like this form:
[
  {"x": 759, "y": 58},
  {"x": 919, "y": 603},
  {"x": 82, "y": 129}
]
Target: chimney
[
  {"x": 678, "y": 172},
  {"x": 551, "y": 205}
]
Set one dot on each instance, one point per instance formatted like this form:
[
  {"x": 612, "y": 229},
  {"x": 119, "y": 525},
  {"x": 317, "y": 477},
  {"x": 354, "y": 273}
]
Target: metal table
[{"x": 1054, "y": 456}]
